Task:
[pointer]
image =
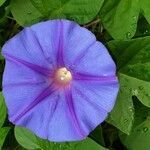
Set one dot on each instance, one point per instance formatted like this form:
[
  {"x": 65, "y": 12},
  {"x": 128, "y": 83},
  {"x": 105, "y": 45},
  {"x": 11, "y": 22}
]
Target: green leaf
[
  {"x": 141, "y": 114},
  {"x": 2, "y": 110},
  {"x": 122, "y": 115},
  {"x": 26, "y": 138},
  {"x": 2, "y": 2},
  {"x": 145, "y": 4},
  {"x": 139, "y": 139},
  {"x": 3, "y": 134},
  {"x": 30, "y": 141},
  {"x": 133, "y": 61},
  {"x": 27, "y": 12},
  {"x": 120, "y": 17},
  {"x": 24, "y": 12},
  {"x": 1, "y": 57}
]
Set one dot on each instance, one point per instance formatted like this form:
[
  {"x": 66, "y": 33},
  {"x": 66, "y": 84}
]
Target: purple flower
[{"x": 59, "y": 82}]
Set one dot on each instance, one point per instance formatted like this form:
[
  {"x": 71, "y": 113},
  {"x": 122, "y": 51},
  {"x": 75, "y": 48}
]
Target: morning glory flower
[{"x": 58, "y": 81}]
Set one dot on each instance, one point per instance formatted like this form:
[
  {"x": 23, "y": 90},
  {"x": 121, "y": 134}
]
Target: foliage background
[{"x": 124, "y": 27}]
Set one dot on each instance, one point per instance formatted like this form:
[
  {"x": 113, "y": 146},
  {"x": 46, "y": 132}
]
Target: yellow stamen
[{"x": 63, "y": 76}]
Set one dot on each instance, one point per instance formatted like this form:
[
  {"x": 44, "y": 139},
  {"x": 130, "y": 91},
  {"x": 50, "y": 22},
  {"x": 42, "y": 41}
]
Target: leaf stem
[{"x": 91, "y": 23}]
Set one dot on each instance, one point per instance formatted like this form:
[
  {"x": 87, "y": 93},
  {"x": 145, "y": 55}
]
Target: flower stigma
[{"x": 63, "y": 76}]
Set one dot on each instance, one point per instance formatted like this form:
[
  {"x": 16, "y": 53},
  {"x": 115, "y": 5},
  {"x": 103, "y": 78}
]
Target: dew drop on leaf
[
  {"x": 134, "y": 17},
  {"x": 131, "y": 109},
  {"x": 60, "y": 146},
  {"x": 145, "y": 32},
  {"x": 128, "y": 35},
  {"x": 29, "y": 12},
  {"x": 145, "y": 129}
]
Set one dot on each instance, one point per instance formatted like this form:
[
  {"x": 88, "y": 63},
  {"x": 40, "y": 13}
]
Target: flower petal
[
  {"x": 17, "y": 73},
  {"x": 20, "y": 86},
  {"x": 42, "y": 70},
  {"x": 48, "y": 91},
  {"x": 51, "y": 40},
  {"x": 39, "y": 118},
  {"x": 25, "y": 46},
  {"x": 62, "y": 127},
  {"x": 72, "y": 112},
  {"x": 100, "y": 79},
  {"x": 83, "y": 53},
  {"x": 51, "y": 119},
  {"x": 60, "y": 50},
  {"x": 101, "y": 94},
  {"x": 89, "y": 113},
  {"x": 19, "y": 97},
  {"x": 96, "y": 61},
  {"x": 76, "y": 41}
]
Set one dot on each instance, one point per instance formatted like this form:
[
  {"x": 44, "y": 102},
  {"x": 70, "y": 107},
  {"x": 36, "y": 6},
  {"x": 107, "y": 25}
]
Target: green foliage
[
  {"x": 145, "y": 9},
  {"x": 81, "y": 11},
  {"x": 3, "y": 134},
  {"x": 1, "y": 57},
  {"x": 140, "y": 134},
  {"x": 123, "y": 113},
  {"x": 133, "y": 63},
  {"x": 3, "y": 130},
  {"x": 2, "y": 2},
  {"x": 140, "y": 137},
  {"x": 30, "y": 141},
  {"x": 2, "y": 110},
  {"x": 120, "y": 16}
]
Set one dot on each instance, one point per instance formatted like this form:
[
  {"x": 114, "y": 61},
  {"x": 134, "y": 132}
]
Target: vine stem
[{"x": 91, "y": 23}]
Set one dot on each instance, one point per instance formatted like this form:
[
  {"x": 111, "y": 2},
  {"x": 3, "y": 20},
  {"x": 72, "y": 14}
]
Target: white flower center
[{"x": 63, "y": 76}]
